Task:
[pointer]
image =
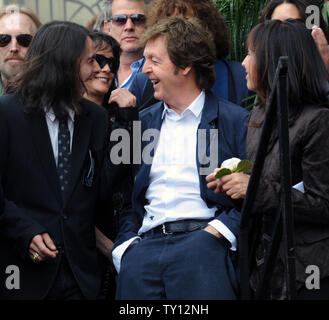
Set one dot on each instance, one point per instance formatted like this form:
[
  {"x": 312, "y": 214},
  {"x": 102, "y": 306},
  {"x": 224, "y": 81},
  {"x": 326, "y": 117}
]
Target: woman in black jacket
[{"x": 309, "y": 149}]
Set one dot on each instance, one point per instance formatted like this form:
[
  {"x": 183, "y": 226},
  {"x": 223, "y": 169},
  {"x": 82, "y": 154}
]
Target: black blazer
[{"x": 33, "y": 203}]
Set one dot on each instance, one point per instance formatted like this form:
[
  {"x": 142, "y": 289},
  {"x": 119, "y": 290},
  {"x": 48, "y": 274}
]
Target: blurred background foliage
[{"x": 242, "y": 15}]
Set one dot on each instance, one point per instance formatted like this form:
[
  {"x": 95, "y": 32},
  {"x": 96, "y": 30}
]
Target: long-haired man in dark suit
[{"x": 52, "y": 146}]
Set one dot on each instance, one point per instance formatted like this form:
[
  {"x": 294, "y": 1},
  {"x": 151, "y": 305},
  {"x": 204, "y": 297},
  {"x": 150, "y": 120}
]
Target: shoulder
[
  {"x": 314, "y": 117},
  {"x": 93, "y": 108},
  {"x": 229, "y": 110},
  {"x": 151, "y": 111},
  {"x": 11, "y": 105}
]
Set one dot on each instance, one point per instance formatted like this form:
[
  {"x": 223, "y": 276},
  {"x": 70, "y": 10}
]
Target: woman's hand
[
  {"x": 234, "y": 185},
  {"x": 123, "y": 98},
  {"x": 322, "y": 44}
]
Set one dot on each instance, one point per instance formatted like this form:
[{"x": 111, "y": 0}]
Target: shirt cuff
[
  {"x": 225, "y": 232},
  {"x": 118, "y": 252}
]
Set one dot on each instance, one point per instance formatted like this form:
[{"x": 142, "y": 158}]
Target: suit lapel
[
  {"x": 80, "y": 147},
  {"x": 41, "y": 140},
  {"x": 152, "y": 120},
  {"x": 208, "y": 121}
]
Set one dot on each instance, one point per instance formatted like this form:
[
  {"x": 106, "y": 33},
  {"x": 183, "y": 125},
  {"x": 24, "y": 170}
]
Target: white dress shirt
[
  {"x": 174, "y": 190},
  {"x": 53, "y": 125}
]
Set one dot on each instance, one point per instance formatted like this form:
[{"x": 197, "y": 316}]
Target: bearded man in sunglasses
[
  {"x": 17, "y": 27},
  {"x": 126, "y": 25}
]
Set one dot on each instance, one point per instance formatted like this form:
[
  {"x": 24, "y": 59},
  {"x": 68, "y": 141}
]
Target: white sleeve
[
  {"x": 118, "y": 252},
  {"x": 225, "y": 232}
]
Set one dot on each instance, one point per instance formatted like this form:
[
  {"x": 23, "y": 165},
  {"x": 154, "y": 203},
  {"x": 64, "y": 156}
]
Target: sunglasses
[
  {"x": 121, "y": 19},
  {"x": 103, "y": 61},
  {"x": 23, "y": 40}
]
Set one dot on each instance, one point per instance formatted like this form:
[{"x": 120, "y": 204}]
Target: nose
[
  {"x": 129, "y": 24},
  {"x": 146, "y": 67},
  {"x": 13, "y": 45},
  {"x": 96, "y": 67},
  {"x": 106, "y": 69}
]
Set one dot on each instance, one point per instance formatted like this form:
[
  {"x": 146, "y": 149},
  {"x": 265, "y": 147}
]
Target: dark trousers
[
  {"x": 65, "y": 286},
  {"x": 186, "y": 266}
]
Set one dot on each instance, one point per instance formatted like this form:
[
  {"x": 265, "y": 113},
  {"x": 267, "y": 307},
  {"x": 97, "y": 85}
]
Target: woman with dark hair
[
  {"x": 101, "y": 87},
  {"x": 297, "y": 9},
  {"x": 309, "y": 148}
]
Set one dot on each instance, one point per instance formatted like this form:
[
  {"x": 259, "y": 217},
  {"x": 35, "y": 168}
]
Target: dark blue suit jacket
[{"x": 230, "y": 120}]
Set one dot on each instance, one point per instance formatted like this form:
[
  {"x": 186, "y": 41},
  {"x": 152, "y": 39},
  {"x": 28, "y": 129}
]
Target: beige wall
[{"x": 79, "y": 11}]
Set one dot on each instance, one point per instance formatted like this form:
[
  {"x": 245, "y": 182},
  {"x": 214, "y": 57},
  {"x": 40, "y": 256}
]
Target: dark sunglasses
[
  {"x": 23, "y": 40},
  {"x": 121, "y": 19},
  {"x": 103, "y": 61}
]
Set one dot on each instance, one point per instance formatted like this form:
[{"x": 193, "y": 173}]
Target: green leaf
[
  {"x": 223, "y": 172},
  {"x": 244, "y": 166}
]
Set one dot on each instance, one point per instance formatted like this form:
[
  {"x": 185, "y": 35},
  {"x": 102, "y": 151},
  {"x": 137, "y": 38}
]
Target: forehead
[
  {"x": 285, "y": 11},
  {"x": 156, "y": 47},
  {"x": 89, "y": 49},
  {"x": 16, "y": 23},
  {"x": 105, "y": 51},
  {"x": 128, "y": 7}
]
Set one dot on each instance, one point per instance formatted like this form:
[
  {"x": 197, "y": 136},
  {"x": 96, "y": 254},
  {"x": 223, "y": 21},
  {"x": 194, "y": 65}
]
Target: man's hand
[
  {"x": 123, "y": 98},
  {"x": 234, "y": 185},
  {"x": 214, "y": 183},
  {"x": 42, "y": 247},
  {"x": 213, "y": 231}
]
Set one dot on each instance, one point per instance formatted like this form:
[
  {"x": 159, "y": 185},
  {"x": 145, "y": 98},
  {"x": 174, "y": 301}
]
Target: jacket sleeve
[
  {"x": 234, "y": 131},
  {"x": 15, "y": 224}
]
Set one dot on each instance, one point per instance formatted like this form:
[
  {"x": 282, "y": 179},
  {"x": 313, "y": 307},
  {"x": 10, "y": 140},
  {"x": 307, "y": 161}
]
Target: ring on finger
[{"x": 35, "y": 257}]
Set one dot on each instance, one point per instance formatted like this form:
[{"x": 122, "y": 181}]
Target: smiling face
[
  {"x": 101, "y": 82},
  {"x": 13, "y": 54},
  {"x": 167, "y": 79},
  {"x": 249, "y": 63}
]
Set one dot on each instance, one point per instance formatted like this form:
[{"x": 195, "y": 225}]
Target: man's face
[
  {"x": 167, "y": 79},
  {"x": 88, "y": 65},
  {"x": 13, "y": 54},
  {"x": 127, "y": 34}
]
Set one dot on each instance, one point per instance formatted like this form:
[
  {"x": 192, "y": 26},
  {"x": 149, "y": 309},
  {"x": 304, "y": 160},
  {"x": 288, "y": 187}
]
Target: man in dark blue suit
[{"x": 179, "y": 239}]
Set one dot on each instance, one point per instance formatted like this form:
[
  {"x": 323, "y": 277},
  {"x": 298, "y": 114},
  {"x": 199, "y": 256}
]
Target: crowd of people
[{"x": 153, "y": 86}]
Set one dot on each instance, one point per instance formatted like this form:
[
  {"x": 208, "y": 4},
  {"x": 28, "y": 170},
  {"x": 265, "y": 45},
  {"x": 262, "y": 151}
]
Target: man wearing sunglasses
[
  {"x": 17, "y": 27},
  {"x": 126, "y": 25}
]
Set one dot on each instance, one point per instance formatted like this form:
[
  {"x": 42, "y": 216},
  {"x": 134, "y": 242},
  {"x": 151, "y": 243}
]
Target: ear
[
  {"x": 106, "y": 28},
  {"x": 187, "y": 70}
]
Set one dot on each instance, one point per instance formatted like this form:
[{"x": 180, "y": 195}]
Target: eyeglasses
[
  {"x": 121, "y": 19},
  {"x": 23, "y": 40},
  {"x": 103, "y": 61}
]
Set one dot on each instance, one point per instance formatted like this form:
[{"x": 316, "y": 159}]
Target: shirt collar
[
  {"x": 137, "y": 64},
  {"x": 51, "y": 115},
  {"x": 195, "y": 107}
]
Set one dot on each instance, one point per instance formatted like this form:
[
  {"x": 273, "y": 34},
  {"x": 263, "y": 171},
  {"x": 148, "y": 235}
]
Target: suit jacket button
[{"x": 64, "y": 216}]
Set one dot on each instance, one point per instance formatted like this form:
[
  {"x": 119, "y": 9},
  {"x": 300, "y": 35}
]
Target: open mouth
[
  {"x": 155, "y": 82},
  {"x": 104, "y": 80}
]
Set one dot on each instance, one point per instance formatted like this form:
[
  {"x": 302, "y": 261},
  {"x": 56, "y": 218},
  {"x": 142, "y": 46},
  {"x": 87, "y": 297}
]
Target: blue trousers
[{"x": 187, "y": 266}]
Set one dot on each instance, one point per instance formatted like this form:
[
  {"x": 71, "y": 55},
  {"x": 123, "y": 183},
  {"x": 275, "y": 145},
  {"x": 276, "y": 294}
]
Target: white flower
[{"x": 230, "y": 163}]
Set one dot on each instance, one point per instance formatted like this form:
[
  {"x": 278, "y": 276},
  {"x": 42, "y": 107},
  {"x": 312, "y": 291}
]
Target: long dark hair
[
  {"x": 301, "y": 6},
  {"x": 50, "y": 77},
  {"x": 307, "y": 75}
]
